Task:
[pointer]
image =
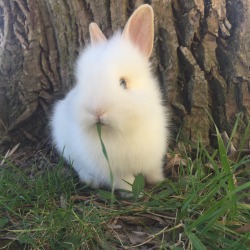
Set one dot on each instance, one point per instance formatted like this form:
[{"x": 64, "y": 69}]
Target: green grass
[{"x": 201, "y": 209}]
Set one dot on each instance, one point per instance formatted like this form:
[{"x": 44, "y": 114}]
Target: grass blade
[
  {"x": 197, "y": 244},
  {"x": 137, "y": 186},
  {"x": 99, "y": 131}
]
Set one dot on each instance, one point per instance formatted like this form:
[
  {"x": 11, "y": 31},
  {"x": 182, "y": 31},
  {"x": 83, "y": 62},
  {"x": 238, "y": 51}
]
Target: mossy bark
[{"x": 201, "y": 57}]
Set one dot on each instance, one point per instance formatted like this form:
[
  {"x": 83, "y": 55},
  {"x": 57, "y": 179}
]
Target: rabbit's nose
[{"x": 99, "y": 113}]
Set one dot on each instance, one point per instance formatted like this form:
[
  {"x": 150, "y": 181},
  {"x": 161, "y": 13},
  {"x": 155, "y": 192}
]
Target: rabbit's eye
[{"x": 123, "y": 83}]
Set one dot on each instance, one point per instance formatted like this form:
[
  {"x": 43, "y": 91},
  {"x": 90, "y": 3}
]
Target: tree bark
[{"x": 201, "y": 57}]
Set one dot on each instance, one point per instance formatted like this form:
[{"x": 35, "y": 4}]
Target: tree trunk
[{"x": 201, "y": 56}]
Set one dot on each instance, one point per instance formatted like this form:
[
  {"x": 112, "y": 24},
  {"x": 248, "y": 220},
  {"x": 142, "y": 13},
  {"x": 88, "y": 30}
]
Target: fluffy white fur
[{"x": 134, "y": 120}]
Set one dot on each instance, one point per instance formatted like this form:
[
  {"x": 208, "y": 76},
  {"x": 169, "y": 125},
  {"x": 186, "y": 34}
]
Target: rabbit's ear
[
  {"x": 140, "y": 29},
  {"x": 96, "y": 35}
]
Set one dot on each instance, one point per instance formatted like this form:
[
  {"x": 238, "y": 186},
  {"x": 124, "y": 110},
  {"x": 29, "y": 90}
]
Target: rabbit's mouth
[
  {"x": 105, "y": 125},
  {"x": 100, "y": 118},
  {"x": 100, "y": 123}
]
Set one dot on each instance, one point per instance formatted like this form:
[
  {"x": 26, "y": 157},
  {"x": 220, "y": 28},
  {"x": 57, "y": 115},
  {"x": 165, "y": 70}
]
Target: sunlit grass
[{"x": 202, "y": 208}]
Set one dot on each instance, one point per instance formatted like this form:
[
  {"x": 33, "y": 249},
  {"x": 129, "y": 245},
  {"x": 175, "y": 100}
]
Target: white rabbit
[{"x": 115, "y": 87}]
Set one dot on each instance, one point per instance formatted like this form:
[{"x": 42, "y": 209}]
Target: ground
[{"x": 203, "y": 204}]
